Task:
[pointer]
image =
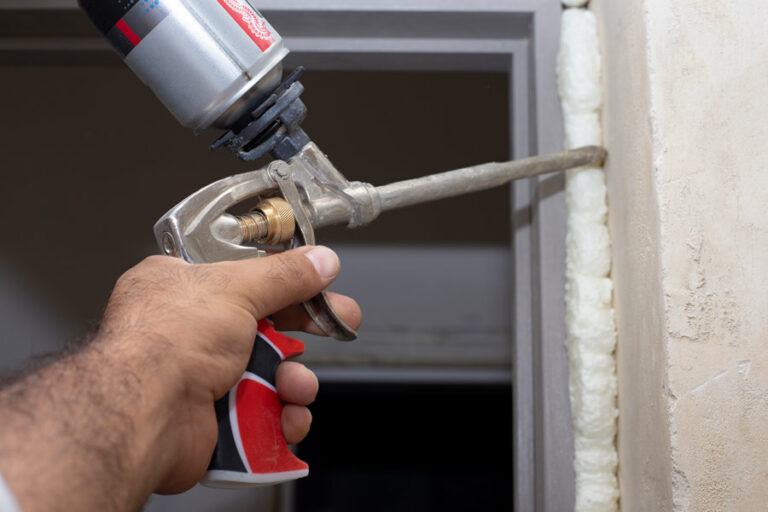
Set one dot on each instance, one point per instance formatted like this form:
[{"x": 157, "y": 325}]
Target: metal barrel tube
[
  {"x": 482, "y": 177},
  {"x": 340, "y": 208}
]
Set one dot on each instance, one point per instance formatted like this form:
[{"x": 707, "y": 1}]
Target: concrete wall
[{"x": 686, "y": 123}]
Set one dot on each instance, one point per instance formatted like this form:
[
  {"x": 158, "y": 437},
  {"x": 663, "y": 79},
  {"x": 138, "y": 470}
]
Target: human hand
[
  {"x": 174, "y": 338},
  {"x": 201, "y": 320}
]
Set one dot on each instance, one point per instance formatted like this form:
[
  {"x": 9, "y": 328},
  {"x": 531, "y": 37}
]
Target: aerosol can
[
  {"x": 209, "y": 62},
  {"x": 218, "y": 64}
]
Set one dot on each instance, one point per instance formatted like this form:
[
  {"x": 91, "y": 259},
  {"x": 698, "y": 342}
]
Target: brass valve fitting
[{"x": 271, "y": 222}]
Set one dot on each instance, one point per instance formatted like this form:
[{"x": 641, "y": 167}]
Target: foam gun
[{"x": 218, "y": 63}]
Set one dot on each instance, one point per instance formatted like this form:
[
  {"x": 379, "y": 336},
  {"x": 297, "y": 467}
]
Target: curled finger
[{"x": 296, "y": 318}]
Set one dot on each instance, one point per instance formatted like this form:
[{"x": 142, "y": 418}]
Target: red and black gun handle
[{"x": 251, "y": 449}]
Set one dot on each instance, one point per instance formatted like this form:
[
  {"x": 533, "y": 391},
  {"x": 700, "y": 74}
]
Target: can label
[
  {"x": 251, "y": 22},
  {"x": 138, "y": 22}
]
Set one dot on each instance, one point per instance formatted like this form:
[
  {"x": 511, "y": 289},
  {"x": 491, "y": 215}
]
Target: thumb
[{"x": 271, "y": 284}]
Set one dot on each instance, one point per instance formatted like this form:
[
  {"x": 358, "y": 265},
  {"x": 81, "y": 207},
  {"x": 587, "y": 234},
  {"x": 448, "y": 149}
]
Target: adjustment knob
[{"x": 271, "y": 222}]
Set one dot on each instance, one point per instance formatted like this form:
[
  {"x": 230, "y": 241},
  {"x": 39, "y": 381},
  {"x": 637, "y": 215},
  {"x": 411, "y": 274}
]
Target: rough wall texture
[
  {"x": 710, "y": 62},
  {"x": 686, "y": 123}
]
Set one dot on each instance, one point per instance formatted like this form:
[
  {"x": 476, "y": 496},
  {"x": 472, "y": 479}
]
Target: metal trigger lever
[{"x": 318, "y": 307}]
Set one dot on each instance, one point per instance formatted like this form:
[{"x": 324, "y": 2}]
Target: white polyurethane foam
[{"x": 590, "y": 321}]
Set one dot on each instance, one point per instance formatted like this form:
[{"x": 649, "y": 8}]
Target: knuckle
[
  {"x": 127, "y": 280},
  {"x": 155, "y": 259}
]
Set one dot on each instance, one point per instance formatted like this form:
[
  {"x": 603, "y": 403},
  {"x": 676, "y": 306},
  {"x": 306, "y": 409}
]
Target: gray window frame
[{"x": 527, "y": 50}]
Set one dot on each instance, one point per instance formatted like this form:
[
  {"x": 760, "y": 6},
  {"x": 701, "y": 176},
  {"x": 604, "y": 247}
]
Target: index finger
[{"x": 296, "y": 318}]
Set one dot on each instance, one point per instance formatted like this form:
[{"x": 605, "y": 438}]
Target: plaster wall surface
[
  {"x": 686, "y": 123},
  {"x": 643, "y": 430}
]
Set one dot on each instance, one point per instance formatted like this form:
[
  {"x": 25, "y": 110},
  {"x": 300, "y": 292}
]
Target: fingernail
[{"x": 325, "y": 261}]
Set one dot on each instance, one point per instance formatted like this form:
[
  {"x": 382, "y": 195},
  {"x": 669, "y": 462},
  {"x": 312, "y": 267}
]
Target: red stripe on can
[
  {"x": 251, "y": 22},
  {"x": 128, "y": 32}
]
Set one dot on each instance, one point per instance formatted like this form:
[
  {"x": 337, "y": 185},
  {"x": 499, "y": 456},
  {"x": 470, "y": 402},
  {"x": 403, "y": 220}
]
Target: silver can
[{"x": 209, "y": 61}]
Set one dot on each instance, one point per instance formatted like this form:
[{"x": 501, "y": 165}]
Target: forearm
[{"x": 77, "y": 435}]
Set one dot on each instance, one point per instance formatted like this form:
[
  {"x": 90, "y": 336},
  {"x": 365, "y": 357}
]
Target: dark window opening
[{"x": 408, "y": 447}]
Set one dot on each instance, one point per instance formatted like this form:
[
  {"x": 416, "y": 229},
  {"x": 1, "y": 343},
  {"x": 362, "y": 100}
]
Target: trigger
[
  {"x": 327, "y": 319},
  {"x": 318, "y": 307}
]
